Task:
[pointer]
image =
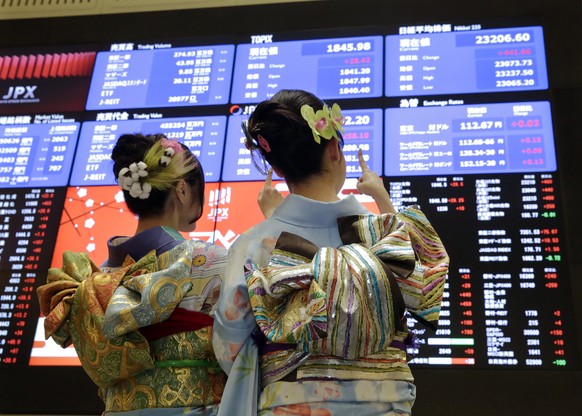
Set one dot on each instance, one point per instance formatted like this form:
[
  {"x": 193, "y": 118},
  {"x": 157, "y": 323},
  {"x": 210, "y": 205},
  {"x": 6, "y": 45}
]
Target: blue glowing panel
[
  {"x": 363, "y": 129},
  {"x": 203, "y": 135},
  {"x": 37, "y": 154},
  {"x": 161, "y": 78},
  {"x": 329, "y": 68},
  {"x": 238, "y": 164},
  {"x": 466, "y": 62},
  {"x": 469, "y": 139}
]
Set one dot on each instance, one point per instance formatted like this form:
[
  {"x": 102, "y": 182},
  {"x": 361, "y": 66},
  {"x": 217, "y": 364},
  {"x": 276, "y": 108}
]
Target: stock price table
[
  {"x": 487, "y": 138},
  {"x": 172, "y": 77},
  {"x": 27, "y": 233},
  {"x": 204, "y": 136},
  {"x": 37, "y": 154},
  {"x": 506, "y": 302},
  {"x": 494, "y": 60},
  {"x": 329, "y": 68}
]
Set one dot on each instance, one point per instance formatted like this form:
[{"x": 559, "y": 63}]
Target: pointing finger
[
  {"x": 363, "y": 164},
  {"x": 268, "y": 179}
]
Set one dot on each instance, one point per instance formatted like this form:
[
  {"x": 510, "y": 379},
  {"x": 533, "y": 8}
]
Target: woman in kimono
[
  {"x": 311, "y": 317},
  {"x": 142, "y": 323}
]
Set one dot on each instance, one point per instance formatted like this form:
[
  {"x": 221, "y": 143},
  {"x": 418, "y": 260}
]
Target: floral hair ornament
[
  {"x": 171, "y": 147},
  {"x": 324, "y": 123},
  {"x": 130, "y": 180}
]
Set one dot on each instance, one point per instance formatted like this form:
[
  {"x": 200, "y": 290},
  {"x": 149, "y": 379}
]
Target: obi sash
[{"x": 342, "y": 310}]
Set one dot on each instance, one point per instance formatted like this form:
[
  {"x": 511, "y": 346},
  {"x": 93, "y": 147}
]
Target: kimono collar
[
  {"x": 305, "y": 212},
  {"x": 160, "y": 239}
]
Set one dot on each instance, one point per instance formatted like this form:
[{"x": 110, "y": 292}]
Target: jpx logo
[
  {"x": 237, "y": 110},
  {"x": 248, "y": 109},
  {"x": 220, "y": 196},
  {"x": 20, "y": 92}
]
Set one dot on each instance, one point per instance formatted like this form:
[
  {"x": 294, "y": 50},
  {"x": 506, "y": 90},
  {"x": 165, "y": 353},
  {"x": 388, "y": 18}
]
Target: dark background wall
[{"x": 441, "y": 392}]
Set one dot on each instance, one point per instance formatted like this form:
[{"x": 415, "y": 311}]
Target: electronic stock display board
[{"x": 456, "y": 119}]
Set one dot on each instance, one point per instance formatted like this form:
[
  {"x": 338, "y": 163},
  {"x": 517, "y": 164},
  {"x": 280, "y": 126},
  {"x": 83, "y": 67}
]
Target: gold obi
[{"x": 186, "y": 375}]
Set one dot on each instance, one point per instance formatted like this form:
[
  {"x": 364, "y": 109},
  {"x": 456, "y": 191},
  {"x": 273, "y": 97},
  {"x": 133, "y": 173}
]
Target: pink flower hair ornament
[
  {"x": 172, "y": 144},
  {"x": 324, "y": 123},
  {"x": 263, "y": 143}
]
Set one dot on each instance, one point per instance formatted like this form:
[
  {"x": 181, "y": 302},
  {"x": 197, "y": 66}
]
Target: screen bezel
[{"x": 441, "y": 391}]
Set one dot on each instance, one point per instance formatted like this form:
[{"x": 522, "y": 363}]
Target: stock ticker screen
[{"x": 455, "y": 118}]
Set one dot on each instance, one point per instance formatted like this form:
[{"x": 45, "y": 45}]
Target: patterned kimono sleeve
[
  {"x": 208, "y": 265},
  {"x": 233, "y": 345},
  {"x": 410, "y": 245},
  {"x": 234, "y": 321},
  {"x": 149, "y": 293},
  {"x": 423, "y": 289}
]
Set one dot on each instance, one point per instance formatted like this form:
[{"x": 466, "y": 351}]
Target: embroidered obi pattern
[
  {"x": 342, "y": 310},
  {"x": 101, "y": 313},
  {"x": 74, "y": 301}
]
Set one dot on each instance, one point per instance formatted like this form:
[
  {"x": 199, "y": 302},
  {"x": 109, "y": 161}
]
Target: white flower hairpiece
[
  {"x": 167, "y": 157},
  {"x": 133, "y": 178},
  {"x": 130, "y": 180},
  {"x": 140, "y": 190}
]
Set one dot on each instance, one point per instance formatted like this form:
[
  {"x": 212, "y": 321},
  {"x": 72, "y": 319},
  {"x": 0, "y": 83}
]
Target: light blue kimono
[{"x": 237, "y": 339}]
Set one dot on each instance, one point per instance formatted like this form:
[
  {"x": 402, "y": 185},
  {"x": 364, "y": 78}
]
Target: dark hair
[
  {"x": 132, "y": 148},
  {"x": 291, "y": 147}
]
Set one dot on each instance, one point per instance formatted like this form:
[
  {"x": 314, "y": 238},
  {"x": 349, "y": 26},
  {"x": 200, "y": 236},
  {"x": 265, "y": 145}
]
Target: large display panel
[
  {"x": 363, "y": 131},
  {"x": 37, "y": 154},
  {"x": 45, "y": 79},
  {"x": 157, "y": 76},
  {"x": 330, "y": 68},
  {"x": 488, "y": 166},
  {"x": 456, "y": 118},
  {"x": 507, "y": 292},
  {"x": 440, "y": 59},
  {"x": 203, "y": 135},
  {"x": 482, "y": 138}
]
